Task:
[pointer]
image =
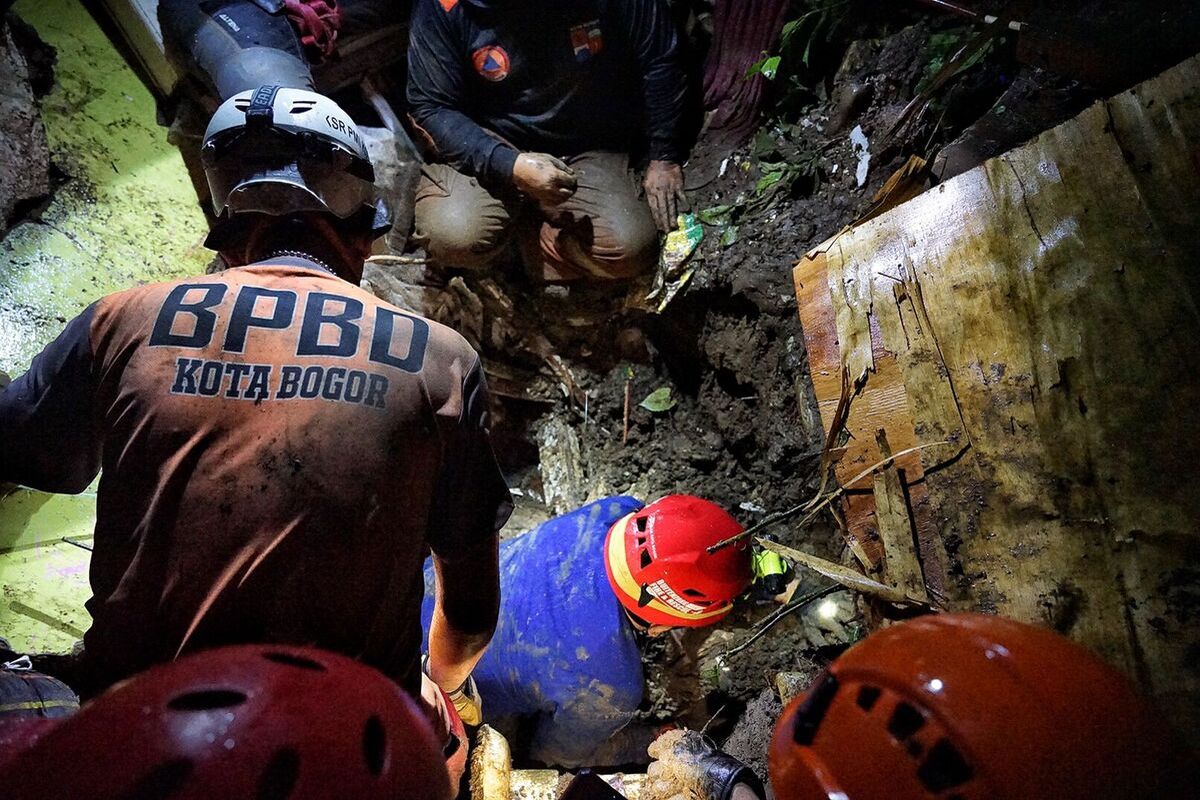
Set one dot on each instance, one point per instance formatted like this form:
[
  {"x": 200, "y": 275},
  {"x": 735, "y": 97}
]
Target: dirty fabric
[
  {"x": 563, "y": 653},
  {"x": 279, "y": 450},
  {"x": 555, "y": 77}
]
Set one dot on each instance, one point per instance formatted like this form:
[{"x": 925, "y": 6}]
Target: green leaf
[
  {"x": 790, "y": 28},
  {"x": 763, "y": 144},
  {"x": 767, "y": 66},
  {"x": 768, "y": 179},
  {"x": 728, "y": 236},
  {"x": 659, "y": 400},
  {"x": 756, "y": 67},
  {"x": 714, "y": 215}
]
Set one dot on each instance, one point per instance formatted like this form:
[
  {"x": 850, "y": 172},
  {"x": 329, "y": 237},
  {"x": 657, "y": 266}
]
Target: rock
[
  {"x": 562, "y": 469},
  {"x": 790, "y": 685},
  {"x": 23, "y": 148},
  {"x": 396, "y": 175}
]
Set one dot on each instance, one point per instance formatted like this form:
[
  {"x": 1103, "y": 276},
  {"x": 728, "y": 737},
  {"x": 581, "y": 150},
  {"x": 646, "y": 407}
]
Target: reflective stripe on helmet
[{"x": 629, "y": 591}]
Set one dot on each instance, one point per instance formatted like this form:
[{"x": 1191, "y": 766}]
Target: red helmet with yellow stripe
[{"x": 661, "y": 571}]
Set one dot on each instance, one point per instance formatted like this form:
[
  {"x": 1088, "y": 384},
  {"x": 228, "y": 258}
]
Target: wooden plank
[{"x": 1040, "y": 313}]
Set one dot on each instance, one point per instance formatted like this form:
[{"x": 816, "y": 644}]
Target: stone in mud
[{"x": 25, "y": 173}]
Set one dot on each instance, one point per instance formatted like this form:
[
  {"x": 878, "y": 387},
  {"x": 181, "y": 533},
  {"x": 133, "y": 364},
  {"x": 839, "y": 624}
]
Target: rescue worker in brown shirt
[{"x": 280, "y": 449}]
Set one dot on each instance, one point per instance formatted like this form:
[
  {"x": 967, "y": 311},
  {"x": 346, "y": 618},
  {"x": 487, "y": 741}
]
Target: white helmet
[{"x": 279, "y": 151}]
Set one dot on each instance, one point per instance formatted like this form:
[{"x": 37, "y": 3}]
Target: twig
[
  {"x": 628, "y": 390},
  {"x": 818, "y": 502},
  {"x": 389, "y": 259},
  {"x": 780, "y": 613},
  {"x": 714, "y": 716}
]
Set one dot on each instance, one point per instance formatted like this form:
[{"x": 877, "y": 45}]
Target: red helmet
[
  {"x": 659, "y": 567},
  {"x": 247, "y": 721},
  {"x": 971, "y": 706}
]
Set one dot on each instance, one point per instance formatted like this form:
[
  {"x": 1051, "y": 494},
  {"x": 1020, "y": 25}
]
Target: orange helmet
[
  {"x": 972, "y": 706},
  {"x": 659, "y": 567}
]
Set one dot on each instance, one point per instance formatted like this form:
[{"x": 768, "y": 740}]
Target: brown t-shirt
[{"x": 280, "y": 451}]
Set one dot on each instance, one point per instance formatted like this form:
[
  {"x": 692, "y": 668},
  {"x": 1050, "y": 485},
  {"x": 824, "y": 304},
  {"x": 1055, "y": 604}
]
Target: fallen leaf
[{"x": 659, "y": 400}]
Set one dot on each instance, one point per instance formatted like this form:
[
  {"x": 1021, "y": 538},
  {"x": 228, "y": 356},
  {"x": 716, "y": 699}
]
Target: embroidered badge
[
  {"x": 586, "y": 40},
  {"x": 491, "y": 62}
]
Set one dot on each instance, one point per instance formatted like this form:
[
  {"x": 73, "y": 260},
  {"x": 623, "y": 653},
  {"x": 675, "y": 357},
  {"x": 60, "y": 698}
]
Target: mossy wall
[{"x": 124, "y": 214}]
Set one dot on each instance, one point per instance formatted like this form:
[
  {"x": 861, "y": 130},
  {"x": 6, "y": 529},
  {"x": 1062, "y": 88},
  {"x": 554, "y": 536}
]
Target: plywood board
[{"x": 1040, "y": 315}]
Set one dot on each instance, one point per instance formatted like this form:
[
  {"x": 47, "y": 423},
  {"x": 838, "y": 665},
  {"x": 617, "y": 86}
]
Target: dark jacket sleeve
[
  {"x": 437, "y": 95},
  {"x": 471, "y": 501},
  {"x": 49, "y": 435},
  {"x": 655, "y": 42}
]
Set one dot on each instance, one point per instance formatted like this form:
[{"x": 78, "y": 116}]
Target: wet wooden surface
[{"x": 1040, "y": 315}]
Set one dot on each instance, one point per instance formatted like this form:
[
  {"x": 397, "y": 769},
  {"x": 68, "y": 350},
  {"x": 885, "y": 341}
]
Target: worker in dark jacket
[
  {"x": 280, "y": 448},
  {"x": 531, "y": 110}
]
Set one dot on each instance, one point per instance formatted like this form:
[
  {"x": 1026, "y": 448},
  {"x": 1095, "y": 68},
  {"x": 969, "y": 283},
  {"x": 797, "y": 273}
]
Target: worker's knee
[
  {"x": 457, "y": 240},
  {"x": 625, "y": 242},
  {"x": 458, "y": 222}
]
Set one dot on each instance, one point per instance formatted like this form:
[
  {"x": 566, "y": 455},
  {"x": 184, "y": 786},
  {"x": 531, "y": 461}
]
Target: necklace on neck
[{"x": 300, "y": 254}]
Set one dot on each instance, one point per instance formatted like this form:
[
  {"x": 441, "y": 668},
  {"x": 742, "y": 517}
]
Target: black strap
[
  {"x": 261, "y": 113},
  {"x": 722, "y": 772}
]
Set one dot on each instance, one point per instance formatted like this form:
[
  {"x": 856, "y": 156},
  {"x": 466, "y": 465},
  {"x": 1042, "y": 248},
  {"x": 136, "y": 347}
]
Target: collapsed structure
[{"x": 996, "y": 363}]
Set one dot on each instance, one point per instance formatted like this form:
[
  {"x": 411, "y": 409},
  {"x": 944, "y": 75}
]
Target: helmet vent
[
  {"x": 641, "y": 523},
  {"x": 693, "y": 593},
  {"x": 300, "y": 106},
  {"x": 812, "y": 710},
  {"x": 944, "y": 769},
  {"x": 905, "y": 721},
  {"x": 293, "y": 660},
  {"x": 165, "y": 780},
  {"x": 279, "y": 778},
  {"x": 375, "y": 745},
  {"x": 645, "y": 558},
  {"x": 241, "y": 105},
  {"x": 206, "y": 700},
  {"x": 867, "y": 697}
]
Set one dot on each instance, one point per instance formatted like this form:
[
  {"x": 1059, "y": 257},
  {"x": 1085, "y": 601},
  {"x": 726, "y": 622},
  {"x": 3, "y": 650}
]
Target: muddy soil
[{"x": 569, "y": 367}]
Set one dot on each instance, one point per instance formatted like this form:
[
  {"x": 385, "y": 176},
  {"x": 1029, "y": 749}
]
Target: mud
[
  {"x": 570, "y": 366},
  {"x": 751, "y": 738}
]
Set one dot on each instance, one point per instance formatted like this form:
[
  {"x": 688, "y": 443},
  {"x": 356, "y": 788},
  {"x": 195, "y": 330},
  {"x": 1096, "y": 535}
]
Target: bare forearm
[
  {"x": 452, "y": 653},
  {"x": 465, "y": 610}
]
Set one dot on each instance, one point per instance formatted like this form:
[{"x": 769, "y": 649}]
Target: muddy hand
[
  {"x": 687, "y": 764},
  {"x": 544, "y": 178},
  {"x": 664, "y": 193}
]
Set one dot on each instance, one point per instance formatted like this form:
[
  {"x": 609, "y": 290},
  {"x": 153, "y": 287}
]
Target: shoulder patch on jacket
[{"x": 448, "y": 5}]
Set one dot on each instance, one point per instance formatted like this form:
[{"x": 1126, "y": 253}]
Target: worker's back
[
  {"x": 563, "y": 656},
  {"x": 279, "y": 450}
]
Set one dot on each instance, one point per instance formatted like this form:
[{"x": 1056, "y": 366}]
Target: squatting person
[{"x": 531, "y": 112}]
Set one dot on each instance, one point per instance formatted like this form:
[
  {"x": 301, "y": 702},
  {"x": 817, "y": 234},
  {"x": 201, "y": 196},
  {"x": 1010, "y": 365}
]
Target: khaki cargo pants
[{"x": 604, "y": 231}]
